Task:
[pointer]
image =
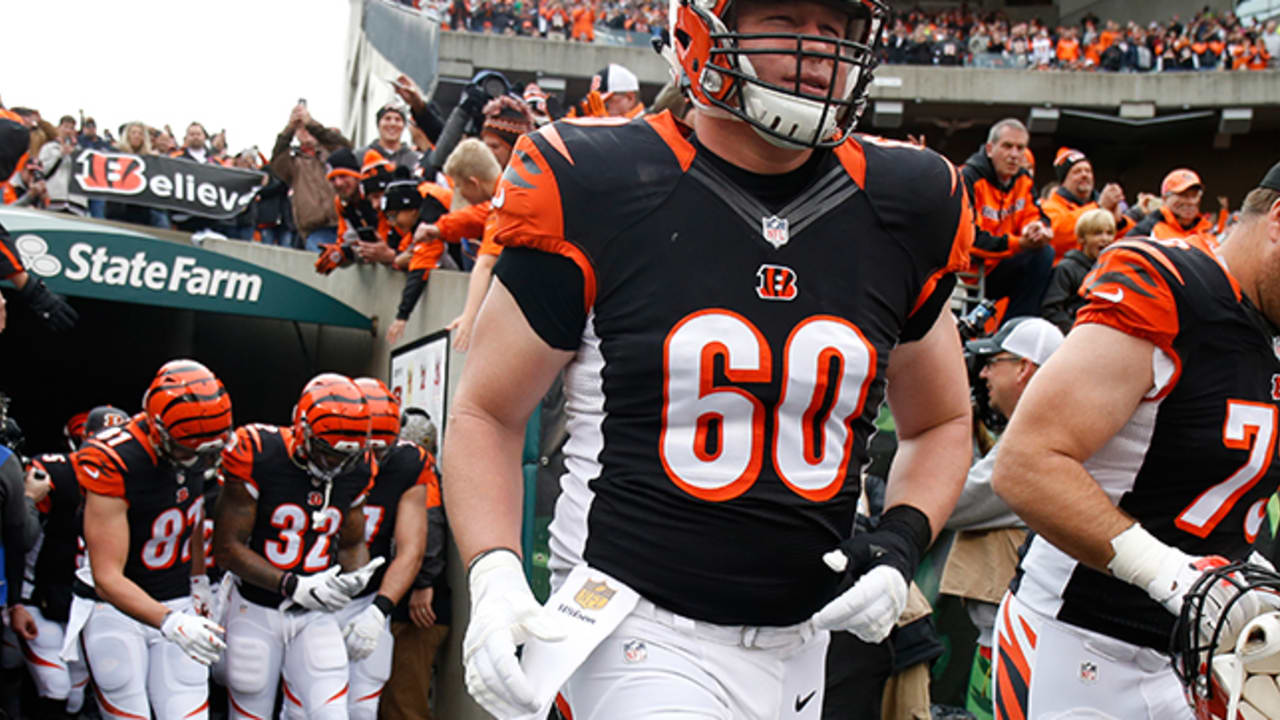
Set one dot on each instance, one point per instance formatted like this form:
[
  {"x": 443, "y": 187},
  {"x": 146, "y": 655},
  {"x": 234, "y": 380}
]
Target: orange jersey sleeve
[
  {"x": 468, "y": 222},
  {"x": 1127, "y": 291},
  {"x": 99, "y": 469},
  {"x": 426, "y": 255},
  {"x": 489, "y": 242},
  {"x": 237, "y": 461}
]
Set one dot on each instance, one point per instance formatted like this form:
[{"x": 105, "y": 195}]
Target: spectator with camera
[
  {"x": 302, "y": 168},
  {"x": 985, "y": 552}
]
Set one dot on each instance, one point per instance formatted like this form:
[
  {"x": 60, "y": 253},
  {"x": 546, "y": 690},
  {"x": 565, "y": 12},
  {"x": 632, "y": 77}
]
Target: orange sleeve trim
[
  {"x": 95, "y": 475},
  {"x": 665, "y": 124},
  {"x": 854, "y": 160},
  {"x": 961, "y": 245},
  {"x": 12, "y": 259},
  {"x": 489, "y": 243}
]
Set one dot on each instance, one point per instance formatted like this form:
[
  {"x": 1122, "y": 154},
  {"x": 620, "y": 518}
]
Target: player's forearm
[
  {"x": 353, "y": 556},
  {"x": 128, "y": 598},
  {"x": 400, "y": 574},
  {"x": 481, "y": 479},
  {"x": 248, "y": 565},
  {"x": 1038, "y": 483},
  {"x": 410, "y": 543},
  {"x": 197, "y": 547},
  {"x": 929, "y": 469}
]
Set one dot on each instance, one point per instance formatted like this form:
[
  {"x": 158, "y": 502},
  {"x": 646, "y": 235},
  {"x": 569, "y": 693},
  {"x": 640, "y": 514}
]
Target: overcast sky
[{"x": 234, "y": 64}]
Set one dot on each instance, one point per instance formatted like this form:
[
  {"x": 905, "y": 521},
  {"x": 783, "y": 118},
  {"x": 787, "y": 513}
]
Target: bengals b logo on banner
[
  {"x": 776, "y": 282},
  {"x": 115, "y": 173}
]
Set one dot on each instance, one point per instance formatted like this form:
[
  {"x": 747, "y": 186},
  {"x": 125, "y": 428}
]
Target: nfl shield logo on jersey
[
  {"x": 1088, "y": 673},
  {"x": 593, "y": 595},
  {"x": 775, "y": 230},
  {"x": 634, "y": 651}
]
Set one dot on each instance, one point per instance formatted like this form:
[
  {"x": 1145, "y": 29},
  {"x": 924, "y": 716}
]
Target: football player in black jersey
[
  {"x": 395, "y": 516},
  {"x": 40, "y": 620},
  {"x": 731, "y": 304},
  {"x": 145, "y": 644},
  {"x": 1141, "y": 455},
  {"x": 289, "y": 521}
]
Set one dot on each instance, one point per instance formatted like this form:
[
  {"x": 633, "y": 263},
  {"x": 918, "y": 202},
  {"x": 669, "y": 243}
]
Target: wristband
[
  {"x": 288, "y": 583},
  {"x": 383, "y": 603},
  {"x": 914, "y": 525}
]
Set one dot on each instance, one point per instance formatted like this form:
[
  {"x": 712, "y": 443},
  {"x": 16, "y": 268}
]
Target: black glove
[
  {"x": 48, "y": 305},
  {"x": 900, "y": 538}
]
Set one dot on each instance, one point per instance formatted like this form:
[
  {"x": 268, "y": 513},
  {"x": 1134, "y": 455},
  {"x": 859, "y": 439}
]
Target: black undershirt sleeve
[
  {"x": 549, "y": 290},
  {"x": 918, "y": 324}
]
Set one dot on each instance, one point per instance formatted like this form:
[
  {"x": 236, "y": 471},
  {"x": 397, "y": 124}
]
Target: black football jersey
[
  {"x": 56, "y": 562},
  {"x": 1193, "y": 464},
  {"x": 406, "y": 466},
  {"x": 295, "y": 528},
  {"x": 165, "y": 504},
  {"x": 732, "y": 353}
]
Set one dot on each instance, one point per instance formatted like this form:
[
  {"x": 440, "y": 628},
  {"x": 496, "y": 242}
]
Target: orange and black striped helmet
[
  {"x": 384, "y": 411},
  {"x": 331, "y": 421},
  {"x": 188, "y": 414},
  {"x": 74, "y": 429}
]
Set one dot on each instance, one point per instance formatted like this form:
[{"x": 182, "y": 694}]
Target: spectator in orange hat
[
  {"x": 1179, "y": 217},
  {"x": 1075, "y": 196}
]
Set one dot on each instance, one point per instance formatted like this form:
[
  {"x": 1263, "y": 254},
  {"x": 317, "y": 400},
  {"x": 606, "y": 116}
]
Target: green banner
[{"x": 86, "y": 259}]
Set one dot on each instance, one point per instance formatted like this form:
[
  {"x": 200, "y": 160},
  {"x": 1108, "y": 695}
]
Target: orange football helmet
[
  {"x": 716, "y": 71},
  {"x": 331, "y": 422},
  {"x": 188, "y": 415},
  {"x": 384, "y": 412}
]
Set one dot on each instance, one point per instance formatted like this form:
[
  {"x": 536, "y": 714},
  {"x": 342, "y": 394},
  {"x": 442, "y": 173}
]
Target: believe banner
[{"x": 167, "y": 183}]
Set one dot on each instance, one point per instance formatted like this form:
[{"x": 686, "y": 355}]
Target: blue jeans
[
  {"x": 325, "y": 235},
  {"x": 277, "y": 235},
  {"x": 97, "y": 208}
]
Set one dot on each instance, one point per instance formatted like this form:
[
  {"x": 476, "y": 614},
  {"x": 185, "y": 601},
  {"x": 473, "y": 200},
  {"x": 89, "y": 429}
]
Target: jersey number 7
[
  {"x": 1249, "y": 426},
  {"x": 713, "y": 440}
]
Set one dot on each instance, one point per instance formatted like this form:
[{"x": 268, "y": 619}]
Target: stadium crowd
[
  {"x": 405, "y": 201},
  {"x": 1206, "y": 41}
]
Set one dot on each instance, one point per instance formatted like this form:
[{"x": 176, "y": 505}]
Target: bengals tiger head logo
[
  {"x": 776, "y": 282},
  {"x": 115, "y": 173}
]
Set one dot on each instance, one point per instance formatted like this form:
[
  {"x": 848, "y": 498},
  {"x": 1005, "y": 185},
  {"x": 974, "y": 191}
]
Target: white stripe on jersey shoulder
[{"x": 585, "y": 416}]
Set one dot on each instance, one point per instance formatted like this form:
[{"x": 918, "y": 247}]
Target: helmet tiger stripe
[
  {"x": 188, "y": 411},
  {"x": 332, "y": 421},
  {"x": 384, "y": 411}
]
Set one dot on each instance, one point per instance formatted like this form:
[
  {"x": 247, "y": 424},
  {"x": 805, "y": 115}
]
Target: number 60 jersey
[{"x": 732, "y": 334}]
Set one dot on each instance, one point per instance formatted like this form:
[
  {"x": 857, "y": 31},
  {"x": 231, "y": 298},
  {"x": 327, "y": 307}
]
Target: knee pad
[
  {"x": 115, "y": 656},
  {"x": 322, "y": 648},
  {"x": 180, "y": 671},
  {"x": 248, "y": 664}
]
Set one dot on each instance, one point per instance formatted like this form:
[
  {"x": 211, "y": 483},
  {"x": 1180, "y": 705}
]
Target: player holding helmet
[
  {"x": 145, "y": 645},
  {"x": 731, "y": 303},
  {"x": 289, "y": 521},
  {"x": 395, "y": 515},
  {"x": 1142, "y": 456}
]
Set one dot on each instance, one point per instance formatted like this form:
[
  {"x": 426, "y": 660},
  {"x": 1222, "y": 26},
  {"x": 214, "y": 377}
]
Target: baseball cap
[
  {"x": 1032, "y": 338},
  {"x": 615, "y": 79},
  {"x": 390, "y": 107},
  {"x": 1179, "y": 180},
  {"x": 1271, "y": 180}
]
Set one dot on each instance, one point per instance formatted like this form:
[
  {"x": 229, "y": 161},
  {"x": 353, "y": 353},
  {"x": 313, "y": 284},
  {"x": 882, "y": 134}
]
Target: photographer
[
  {"x": 30, "y": 186},
  {"x": 982, "y": 560},
  {"x": 302, "y": 168},
  {"x": 57, "y": 156}
]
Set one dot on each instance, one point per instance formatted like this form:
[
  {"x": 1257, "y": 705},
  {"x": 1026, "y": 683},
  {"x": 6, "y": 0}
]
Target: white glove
[
  {"x": 1168, "y": 574},
  {"x": 202, "y": 595},
  {"x": 363, "y": 633},
  {"x": 504, "y": 614},
  {"x": 317, "y": 592},
  {"x": 870, "y": 608},
  {"x": 353, "y": 582},
  {"x": 198, "y": 637}
]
